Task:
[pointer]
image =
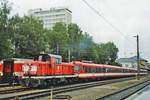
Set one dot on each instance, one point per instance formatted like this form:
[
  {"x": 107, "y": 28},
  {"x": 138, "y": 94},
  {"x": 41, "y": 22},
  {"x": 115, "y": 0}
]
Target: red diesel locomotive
[
  {"x": 48, "y": 69},
  {"x": 11, "y": 70}
]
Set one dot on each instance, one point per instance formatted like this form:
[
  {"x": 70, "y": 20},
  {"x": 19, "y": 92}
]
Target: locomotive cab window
[
  {"x": 47, "y": 59},
  {"x": 44, "y": 58},
  {"x": 40, "y": 58},
  {"x": 58, "y": 60}
]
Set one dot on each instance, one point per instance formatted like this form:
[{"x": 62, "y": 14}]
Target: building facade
[
  {"x": 132, "y": 62},
  {"x": 51, "y": 16}
]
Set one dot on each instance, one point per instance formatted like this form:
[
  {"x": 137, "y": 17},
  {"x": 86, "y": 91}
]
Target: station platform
[{"x": 143, "y": 94}]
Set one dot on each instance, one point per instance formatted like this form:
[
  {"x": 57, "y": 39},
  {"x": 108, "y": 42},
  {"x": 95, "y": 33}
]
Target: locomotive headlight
[{"x": 1, "y": 73}]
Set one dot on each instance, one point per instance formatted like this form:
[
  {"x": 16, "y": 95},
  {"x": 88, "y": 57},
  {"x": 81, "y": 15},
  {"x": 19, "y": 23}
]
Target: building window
[
  {"x": 126, "y": 65},
  {"x": 44, "y": 12}
]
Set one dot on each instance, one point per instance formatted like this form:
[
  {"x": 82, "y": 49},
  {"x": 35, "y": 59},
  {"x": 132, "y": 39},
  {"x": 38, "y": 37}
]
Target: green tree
[
  {"x": 86, "y": 47},
  {"x": 75, "y": 35},
  {"x": 57, "y": 39},
  {"x": 28, "y": 36},
  {"x": 108, "y": 53},
  {"x": 5, "y": 47}
]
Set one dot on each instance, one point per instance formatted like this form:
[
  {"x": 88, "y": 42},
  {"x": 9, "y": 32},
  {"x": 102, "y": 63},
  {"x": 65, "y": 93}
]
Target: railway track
[
  {"x": 13, "y": 90},
  {"x": 31, "y": 94},
  {"x": 4, "y": 85},
  {"x": 125, "y": 93}
]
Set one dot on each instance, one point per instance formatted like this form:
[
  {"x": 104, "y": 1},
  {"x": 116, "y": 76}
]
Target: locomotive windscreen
[{"x": 45, "y": 58}]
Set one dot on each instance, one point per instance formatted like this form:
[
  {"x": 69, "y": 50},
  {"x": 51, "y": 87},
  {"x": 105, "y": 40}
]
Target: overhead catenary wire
[{"x": 106, "y": 20}]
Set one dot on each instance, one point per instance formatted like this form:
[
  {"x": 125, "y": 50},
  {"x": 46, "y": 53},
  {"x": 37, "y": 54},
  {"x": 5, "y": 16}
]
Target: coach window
[
  {"x": 85, "y": 69},
  {"x": 77, "y": 68},
  {"x": 103, "y": 69},
  {"x": 112, "y": 70},
  {"x": 100, "y": 69},
  {"x": 94, "y": 69},
  {"x": 125, "y": 70},
  {"x": 89, "y": 69},
  {"x": 97, "y": 69},
  {"x": 115, "y": 70},
  {"x": 118, "y": 70},
  {"x": 106, "y": 70}
]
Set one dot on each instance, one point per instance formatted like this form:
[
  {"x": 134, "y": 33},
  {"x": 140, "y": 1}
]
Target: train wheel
[{"x": 54, "y": 82}]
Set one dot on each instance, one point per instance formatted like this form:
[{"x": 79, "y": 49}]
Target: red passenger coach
[
  {"x": 11, "y": 69},
  {"x": 89, "y": 70}
]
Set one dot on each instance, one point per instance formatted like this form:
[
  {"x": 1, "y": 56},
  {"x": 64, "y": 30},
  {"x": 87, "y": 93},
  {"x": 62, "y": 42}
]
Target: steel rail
[
  {"x": 2, "y": 85},
  {"x": 13, "y": 90}
]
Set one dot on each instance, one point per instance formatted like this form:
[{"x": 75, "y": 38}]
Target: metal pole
[{"x": 138, "y": 66}]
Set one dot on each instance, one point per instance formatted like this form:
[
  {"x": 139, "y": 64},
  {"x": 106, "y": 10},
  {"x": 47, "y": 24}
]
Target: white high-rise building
[{"x": 51, "y": 16}]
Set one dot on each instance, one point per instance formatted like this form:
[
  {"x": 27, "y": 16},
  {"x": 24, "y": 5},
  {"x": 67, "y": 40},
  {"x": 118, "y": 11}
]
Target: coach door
[{"x": 8, "y": 69}]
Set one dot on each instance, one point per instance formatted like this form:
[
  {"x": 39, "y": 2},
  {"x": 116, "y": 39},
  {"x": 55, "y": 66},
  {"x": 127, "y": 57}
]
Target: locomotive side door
[
  {"x": 56, "y": 61},
  {"x": 8, "y": 70}
]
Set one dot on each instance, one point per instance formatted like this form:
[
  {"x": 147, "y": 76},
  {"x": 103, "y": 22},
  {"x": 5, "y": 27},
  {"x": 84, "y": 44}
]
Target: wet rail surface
[
  {"x": 143, "y": 94},
  {"x": 45, "y": 92},
  {"x": 125, "y": 93}
]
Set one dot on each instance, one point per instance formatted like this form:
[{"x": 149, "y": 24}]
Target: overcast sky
[{"x": 131, "y": 17}]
